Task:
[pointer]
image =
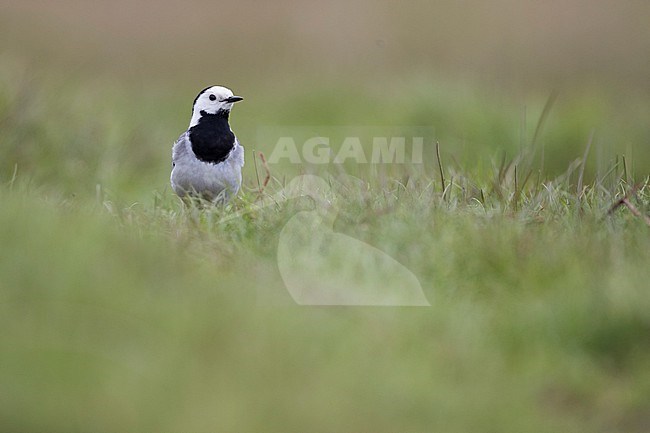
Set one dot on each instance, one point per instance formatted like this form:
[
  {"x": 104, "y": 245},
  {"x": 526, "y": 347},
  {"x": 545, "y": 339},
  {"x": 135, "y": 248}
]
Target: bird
[{"x": 207, "y": 158}]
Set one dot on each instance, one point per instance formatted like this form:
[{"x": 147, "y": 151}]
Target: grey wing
[
  {"x": 180, "y": 148},
  {"x": 238, "y": 153}
]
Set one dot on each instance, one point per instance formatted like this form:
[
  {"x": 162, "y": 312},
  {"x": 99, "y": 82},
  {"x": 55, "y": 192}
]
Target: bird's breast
[{"x": 212, "y": 139}]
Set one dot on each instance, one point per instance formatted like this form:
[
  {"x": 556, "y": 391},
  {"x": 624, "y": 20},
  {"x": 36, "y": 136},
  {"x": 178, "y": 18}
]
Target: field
[{"x": 526, "y": 222}]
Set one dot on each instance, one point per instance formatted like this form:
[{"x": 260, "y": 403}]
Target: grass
[{"x": 122, "y": 309}]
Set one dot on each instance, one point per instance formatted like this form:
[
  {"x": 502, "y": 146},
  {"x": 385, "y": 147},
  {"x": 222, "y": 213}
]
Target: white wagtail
[{"x": 207, "y": 158}]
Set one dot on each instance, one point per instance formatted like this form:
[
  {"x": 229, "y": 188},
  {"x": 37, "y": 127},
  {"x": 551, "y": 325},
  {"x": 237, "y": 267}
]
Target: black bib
[{"x": 211, "y": 138}]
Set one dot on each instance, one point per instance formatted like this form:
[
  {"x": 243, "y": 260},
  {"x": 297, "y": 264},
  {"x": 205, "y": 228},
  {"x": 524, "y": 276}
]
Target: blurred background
[
  {"x": 507, "y": 42},
  {"x": 478, "y": 73},
  {"x": 121, "y": 310}
]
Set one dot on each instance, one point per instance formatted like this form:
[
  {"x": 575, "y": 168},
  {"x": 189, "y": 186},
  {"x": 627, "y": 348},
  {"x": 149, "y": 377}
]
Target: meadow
[{"x": 526, "y": 224}]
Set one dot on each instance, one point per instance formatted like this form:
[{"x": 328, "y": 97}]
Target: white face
[{"x": 212, "y": 100}]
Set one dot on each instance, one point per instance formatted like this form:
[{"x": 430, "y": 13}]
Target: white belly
[{"x": 210, "y": 181}]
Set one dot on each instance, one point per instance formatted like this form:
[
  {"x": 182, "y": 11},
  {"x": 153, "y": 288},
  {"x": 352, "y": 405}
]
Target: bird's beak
[{"x": 233, "y": 99}]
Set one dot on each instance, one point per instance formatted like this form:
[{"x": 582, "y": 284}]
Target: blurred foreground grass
[
  {"x": 158, "y": 317},
  {"x": 122, "y": 310}
]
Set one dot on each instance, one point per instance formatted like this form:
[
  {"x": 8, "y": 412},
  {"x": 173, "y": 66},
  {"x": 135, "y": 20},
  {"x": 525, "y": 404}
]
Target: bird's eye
[{"x": 213, "y": 98}]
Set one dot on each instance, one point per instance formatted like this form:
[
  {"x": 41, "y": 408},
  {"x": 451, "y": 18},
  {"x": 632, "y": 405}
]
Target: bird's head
[{"x": 214, "y": 100}]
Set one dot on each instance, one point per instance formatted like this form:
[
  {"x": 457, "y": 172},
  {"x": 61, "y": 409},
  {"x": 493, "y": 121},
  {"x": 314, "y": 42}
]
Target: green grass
[{"x": 123, "y": 310}]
